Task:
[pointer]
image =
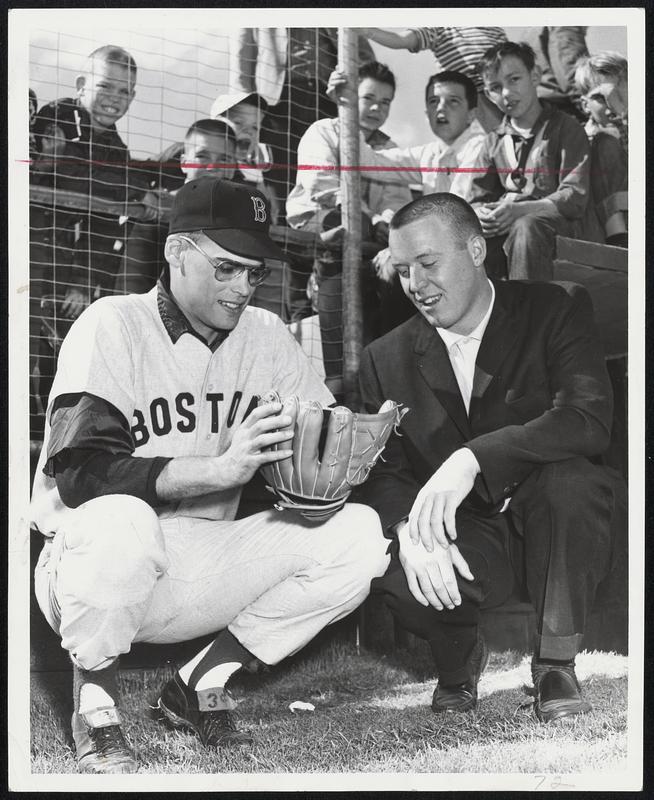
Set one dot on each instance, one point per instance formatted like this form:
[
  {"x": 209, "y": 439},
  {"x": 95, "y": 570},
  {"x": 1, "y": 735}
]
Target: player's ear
[
  {"x": 173, "y": 253},
  {"x": 477, "y": 250}
]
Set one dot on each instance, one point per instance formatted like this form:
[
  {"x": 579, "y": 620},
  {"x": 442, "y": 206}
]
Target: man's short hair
[
  {"x": 592, "y": 70},
  {"x": 451, "y": 76},
  {"x": 451, "y": 208},
  {"x": 492, "y": 58},
  {"x": 112, "y": 54},
  {"x": 378, "y": 72},
  {"x": 213, "y": 127}
]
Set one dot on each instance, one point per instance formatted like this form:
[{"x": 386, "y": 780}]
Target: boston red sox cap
[{"x": 231, "y": 214}]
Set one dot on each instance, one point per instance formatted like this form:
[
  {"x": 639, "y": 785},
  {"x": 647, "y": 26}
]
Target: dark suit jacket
[{"x": 541, "y": 394}]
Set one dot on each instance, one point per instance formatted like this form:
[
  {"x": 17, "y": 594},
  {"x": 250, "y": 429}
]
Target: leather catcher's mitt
[{"x": 334, "y": 450}]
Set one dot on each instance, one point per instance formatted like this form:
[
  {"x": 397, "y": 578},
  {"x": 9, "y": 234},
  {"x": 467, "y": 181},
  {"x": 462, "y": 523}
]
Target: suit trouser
[
  {"x": 527, "y": 251},
  {"x": 115, "y": 573},
  {"x": 562, "y": 536}
]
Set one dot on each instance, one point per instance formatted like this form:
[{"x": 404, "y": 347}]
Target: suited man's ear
[{"x": 477, "y": 250}]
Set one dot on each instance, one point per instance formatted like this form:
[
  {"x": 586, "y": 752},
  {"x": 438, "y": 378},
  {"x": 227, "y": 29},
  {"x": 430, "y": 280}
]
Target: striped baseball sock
[{"x": 212, "y": 667}]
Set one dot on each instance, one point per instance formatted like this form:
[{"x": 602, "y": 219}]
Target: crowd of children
[{"x": 517, "y": 153}]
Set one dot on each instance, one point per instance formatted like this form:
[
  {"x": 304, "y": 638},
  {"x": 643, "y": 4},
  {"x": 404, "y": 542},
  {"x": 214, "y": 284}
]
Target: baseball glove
[{"x": 334, "y": 450}]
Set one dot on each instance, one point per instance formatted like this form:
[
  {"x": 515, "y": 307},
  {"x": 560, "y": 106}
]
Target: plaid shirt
[{"x": 557, "y": 168}]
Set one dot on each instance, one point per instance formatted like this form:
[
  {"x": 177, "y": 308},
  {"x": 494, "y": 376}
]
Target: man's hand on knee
[
  {"x": 432, "y": 519},
  {"x": 431, "y": 575}
]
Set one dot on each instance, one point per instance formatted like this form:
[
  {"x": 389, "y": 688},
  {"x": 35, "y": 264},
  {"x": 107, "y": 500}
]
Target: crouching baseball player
[{"x": 153, "y": 428}]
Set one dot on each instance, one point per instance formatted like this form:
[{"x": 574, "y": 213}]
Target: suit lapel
[
  {"x": 435, "y": 367},
  {"x": 495, "y": 345}
]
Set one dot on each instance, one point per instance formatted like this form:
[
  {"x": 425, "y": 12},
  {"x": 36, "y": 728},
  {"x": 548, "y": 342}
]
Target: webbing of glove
[{"x": 370, "y": 435}]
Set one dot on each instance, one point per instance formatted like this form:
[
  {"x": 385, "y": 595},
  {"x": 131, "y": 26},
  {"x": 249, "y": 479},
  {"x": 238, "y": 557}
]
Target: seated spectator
[
  {"x": 209, "y": 150},
  {"x": 97, "y": 160},
  {"x": 456, "y": 49},
  {"x": 608, "y": 152},
  {"x": 314, "y": 204},
  {"x": 535, "y": 180},
  {"x": 450, "y": 100}
]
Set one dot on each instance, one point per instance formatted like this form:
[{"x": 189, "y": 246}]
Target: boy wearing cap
[{"x": 153, "y": 428}]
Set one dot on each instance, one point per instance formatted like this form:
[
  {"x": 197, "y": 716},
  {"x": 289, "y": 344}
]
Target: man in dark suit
[{"x": 489, "y": 483}]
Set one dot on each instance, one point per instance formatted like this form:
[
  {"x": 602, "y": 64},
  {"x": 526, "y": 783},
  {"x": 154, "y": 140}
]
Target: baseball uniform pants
[{"x": 115, "y": 573}]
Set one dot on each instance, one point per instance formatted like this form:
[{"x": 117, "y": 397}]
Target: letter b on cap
[{"x": 259, "y": 209}]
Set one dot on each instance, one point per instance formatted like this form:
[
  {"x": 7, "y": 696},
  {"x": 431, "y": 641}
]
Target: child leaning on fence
[
  {"x": 314, "y": 205},
  {"x": 97, "y": 161},
  {"x": 533, "y": 182}
]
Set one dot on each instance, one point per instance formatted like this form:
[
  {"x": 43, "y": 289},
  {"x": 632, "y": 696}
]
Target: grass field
[{"x": 372, "y": 714}]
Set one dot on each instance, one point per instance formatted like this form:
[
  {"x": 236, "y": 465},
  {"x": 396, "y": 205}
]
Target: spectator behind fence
[
  {"x": 608, "y": 148},
  {"x": 289, "y": 69},
  {"x": 97, "y": 160},
  {"x": 535, "y": 184},
  {"x": 457, "y": 49},
  {"x": 55, "y": 299},
  {"x": 245, "y": 112},
  {"x": 208, "y": 150},
  {"x": 314, "y": 204},
  {"x": 450, "y": 100}
]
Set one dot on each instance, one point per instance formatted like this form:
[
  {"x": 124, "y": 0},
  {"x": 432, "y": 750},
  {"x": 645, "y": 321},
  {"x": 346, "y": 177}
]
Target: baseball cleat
[
  {"x": 100, "y": 744},
  {"x": 557, "y": 691},
  {"x": 462, "y": 696},
  {"x": 207, "y": 713}
]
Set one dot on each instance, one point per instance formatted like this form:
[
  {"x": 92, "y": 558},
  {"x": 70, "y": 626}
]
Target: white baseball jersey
[{"x": 180, "y": 399}]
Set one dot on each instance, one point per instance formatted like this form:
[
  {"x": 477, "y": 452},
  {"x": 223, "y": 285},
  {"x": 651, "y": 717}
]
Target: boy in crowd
[
  {"x": 534, "y": 182},
  {"x": 208, "y": 151},
  {"x": 606, "y": 132},
  {"x": 314, "y": 202},
  {"x": 450, "y": 101},
  {"x": 456, "y": 49},
  {"x": 97, "y": 159}
]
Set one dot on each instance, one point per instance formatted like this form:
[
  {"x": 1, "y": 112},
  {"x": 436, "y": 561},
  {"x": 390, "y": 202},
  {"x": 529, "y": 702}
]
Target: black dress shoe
[
  {"x": 557, "y": 691},
  {"x": 207, "y": 712},
  {"x": 462, "y": 696}
]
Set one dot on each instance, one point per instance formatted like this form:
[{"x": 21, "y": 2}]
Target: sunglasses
[{"x": 225, "y": 270}]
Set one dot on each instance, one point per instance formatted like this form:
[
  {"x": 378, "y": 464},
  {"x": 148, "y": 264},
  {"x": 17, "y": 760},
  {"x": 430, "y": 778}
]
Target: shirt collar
[
  {"x": 450, "y": 339},
  {"x": 505, "y": 127},
  {"x": 173, "y": 318}
]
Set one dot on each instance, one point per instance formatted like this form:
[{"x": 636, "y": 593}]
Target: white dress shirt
[{"x": 462, "y": 351}]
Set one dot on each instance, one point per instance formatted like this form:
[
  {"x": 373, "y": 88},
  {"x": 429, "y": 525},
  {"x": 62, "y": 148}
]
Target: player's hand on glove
[
  {"x": 433, "y": 514},
  {"x": 431, "y": 576},
  {"x": 248, "y": 451}
]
